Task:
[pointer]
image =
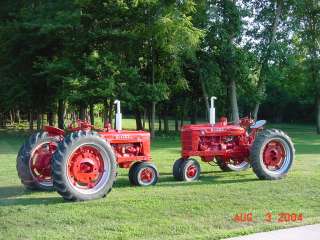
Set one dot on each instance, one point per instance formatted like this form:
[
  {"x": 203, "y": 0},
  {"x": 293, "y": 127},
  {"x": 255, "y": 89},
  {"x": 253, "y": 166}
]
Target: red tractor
[
  {"x": 82, "y": 165},
  {"x": 234, "y": 147}
]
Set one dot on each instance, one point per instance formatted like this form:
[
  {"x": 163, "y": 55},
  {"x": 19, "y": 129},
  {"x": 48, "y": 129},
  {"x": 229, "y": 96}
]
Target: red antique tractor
[
  {"x": 234, "y": 147},
  {"x": 82, "y": 165}
]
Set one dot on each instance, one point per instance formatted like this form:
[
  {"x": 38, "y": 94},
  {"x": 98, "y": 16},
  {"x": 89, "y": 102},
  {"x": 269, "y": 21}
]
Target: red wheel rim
[
  {"x": 274, "y": 155},
  {"x": 40, "y": 162},
  {"x": 146, "y": 175},
  {"x": 192, "y": 171},
  {"x": 85, "y": 167}
]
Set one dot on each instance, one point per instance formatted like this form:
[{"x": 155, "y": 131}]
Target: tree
[
  {"x": 263, "y": 35},
  {"x": 309, "y": 12}
]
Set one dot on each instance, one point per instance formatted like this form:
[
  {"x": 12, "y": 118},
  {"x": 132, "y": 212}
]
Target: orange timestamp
[{"x": 269, "y": 217}]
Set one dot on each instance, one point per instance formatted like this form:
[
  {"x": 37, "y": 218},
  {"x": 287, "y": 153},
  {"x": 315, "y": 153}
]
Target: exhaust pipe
[
  {"x": 118, "y": 116},
  {"x": 212, "y": 111}
]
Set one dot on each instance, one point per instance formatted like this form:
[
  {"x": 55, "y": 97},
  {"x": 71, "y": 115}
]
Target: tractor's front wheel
[
  {"x": 34, "y": 161},
  {"x": 143, "y": 174},
  {"x": 176, "y": 169},
  {"x": 272, "y": 154},
  {"x": 84, "y": 167},
  {"x": 190, "y": 170}
]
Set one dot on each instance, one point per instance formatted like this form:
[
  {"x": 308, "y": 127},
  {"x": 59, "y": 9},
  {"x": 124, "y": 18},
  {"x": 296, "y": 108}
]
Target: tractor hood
[{"x": 218, "y": 129}]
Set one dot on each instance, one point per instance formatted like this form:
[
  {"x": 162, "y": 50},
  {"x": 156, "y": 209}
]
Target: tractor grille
[{"x": 186, "y": 140}]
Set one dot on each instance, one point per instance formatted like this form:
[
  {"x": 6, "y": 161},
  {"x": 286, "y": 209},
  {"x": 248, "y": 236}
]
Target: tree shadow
[
  {"x": 32, "y": 201},
  {"x": 10, "y": 195},
  {"x": 13, "y": 191}
]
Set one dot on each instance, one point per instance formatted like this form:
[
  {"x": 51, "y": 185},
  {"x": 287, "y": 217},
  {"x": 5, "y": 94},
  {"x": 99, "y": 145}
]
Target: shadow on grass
[
  {"x": 167, "y": 180},
  {"x": 7, "y": 193},
  {"x": 32, "y": 201},
  {"x": 13, "y": 191},
  {"x": 18, "y": 195}
]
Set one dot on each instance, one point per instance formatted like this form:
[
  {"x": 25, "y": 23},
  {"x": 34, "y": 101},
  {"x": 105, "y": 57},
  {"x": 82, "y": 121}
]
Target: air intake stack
[
  {"x": 212, "y": 111},
  {"x": 118, "y": 116}
]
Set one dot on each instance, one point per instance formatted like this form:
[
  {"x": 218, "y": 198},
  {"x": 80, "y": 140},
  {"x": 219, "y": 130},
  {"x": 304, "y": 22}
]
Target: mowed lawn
[{"x": 169, "y": 210}]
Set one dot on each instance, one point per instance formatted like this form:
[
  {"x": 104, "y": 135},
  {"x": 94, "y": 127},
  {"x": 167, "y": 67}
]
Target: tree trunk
[
  {"x": 153, "y": 119},
  {"x": 42, "y": 120},
  {"x": 55, "y": 117},
  {"x": 18, "y": 116},
  {"x": 110, "y": 112},
  {"x": 233, "y": 101},
  {"x": 160, "y": 123},
  {"x": 50, "y": 118},
  {"x": 60, "y": 113},
  {"x": 176, "y": 124},
  {"x": 266, "y": 56},
  {"x": 165, "y": 123},
  {"x": 11, "y": 118},
  {"x": 91, "y": 113},
  {"x": 318, "y": 114},
  {"x": 1, "y": 120},
  {"x": 205, "y": 96},
  {"x": 105, "y": 113},
  {"x": 38, "y": 121},
  {"x": 82, "y": 112},
  {"x": 144, "y": 118},
  {"x": 30, "y": 118},
  {"x": 256, "y": 110},
  {"x": 194, "y": 115},
  {"x": 14, "y": 116},
  {"x": 182, "y": 115},
  {"x": 149, "y": 121},
  {"x": 139, "y": 125}
]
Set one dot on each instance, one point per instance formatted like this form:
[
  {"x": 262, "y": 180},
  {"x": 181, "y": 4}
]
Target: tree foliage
[{"x": 160, "y": 57}]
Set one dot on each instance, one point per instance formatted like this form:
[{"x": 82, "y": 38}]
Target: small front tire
[
  {"x": 144, "y": 174},
  {"x": 131, "y": 172},
  {"x": 190, "y": 170},
  {"x": 176, "y": 169}
]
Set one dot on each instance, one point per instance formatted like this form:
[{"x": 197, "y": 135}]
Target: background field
[{"x": 170, "y": 210}]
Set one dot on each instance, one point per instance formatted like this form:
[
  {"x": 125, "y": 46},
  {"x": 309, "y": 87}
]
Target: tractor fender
[{"x": 53, "y": 131}]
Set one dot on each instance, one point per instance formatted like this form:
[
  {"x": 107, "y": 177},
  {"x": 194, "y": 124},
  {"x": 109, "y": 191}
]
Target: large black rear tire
[
  {"x": 272, "y": 154},
  {"x": 62, "y": 180},
  {"x": 24, "y": 158}
]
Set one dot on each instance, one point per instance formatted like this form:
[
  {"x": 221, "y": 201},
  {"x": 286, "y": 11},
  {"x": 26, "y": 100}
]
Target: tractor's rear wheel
[
  {"x": 144, "y": 174},
  {"x": 272, "y": 154},
  {"x": 84, "y": 167},
  {"x": 190, "y": 170},
  {"x": 176, "y": 169},
  {"x": 236, "y": 165},
  {"x": 34, "y": 161}
]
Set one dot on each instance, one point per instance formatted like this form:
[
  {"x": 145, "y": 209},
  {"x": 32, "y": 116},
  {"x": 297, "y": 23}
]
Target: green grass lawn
[{"x": 169, "y": 210}]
